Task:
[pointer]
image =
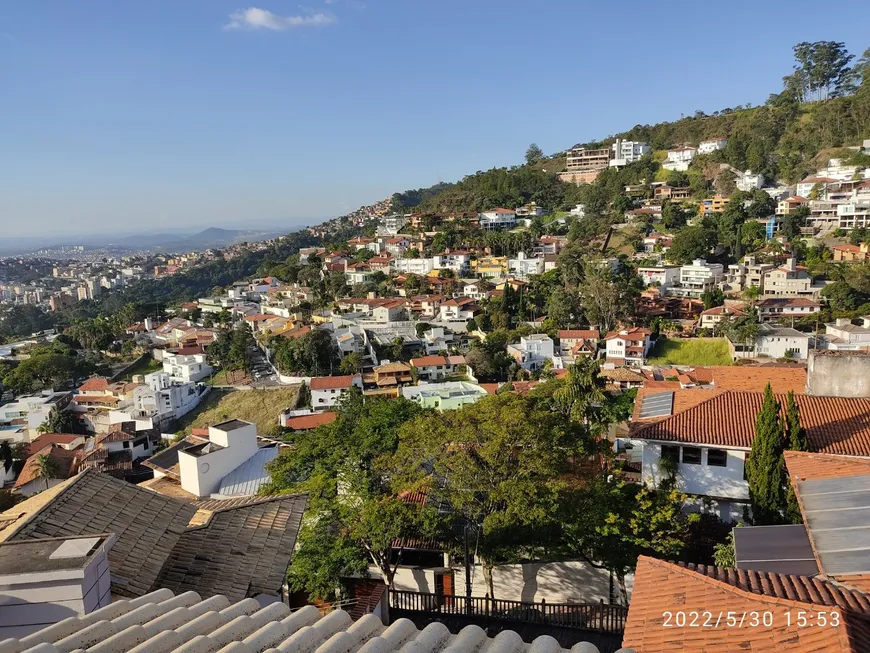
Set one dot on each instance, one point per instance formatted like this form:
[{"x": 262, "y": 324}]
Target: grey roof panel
[
  {"x": 247, "y": 478},
  {"x": 657, "y": 405}
]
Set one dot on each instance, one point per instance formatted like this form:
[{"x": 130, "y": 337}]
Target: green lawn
[
  {"x": 690, "y": 351},
  {"x": 143, "y": 366}
]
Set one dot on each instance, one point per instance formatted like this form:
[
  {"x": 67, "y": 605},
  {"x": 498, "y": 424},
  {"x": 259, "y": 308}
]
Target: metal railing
[{"x": 600, "y": 616}]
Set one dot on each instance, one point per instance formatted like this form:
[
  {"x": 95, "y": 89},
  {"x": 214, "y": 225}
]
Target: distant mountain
[{"x": 213, "y": 237}]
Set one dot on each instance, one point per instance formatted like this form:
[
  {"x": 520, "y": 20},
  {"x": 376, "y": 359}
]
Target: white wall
[
  {"x": 201, "y": 475},
  {"x": 703, "y": 479},
  {"x": 557, "y": 582}
]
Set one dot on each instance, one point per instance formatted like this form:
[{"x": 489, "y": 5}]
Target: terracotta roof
[
  {"x": 47, "y": 439},
  {"x": 116, "y": 436},
  {"x": 572, "y": 334},
  {"x": 805, "y": 466},
  {"x": 308, "y": 422},
  {"x": 847, "y": 248},
  {"x": 833, "y": 424},
  {"x": 754, "y": 379},
  {"x": 630, "y": 334},
  {"x": 332, "y": 382},
  {"x": 684, "y": 399},
  {"x": 94, "y": 384},
  {"x": 429, "y": 360},
  {"x": 96, "y": 399},
  {"x": 786, "y": 301},
  {"x": 723, "y": 310},
  {"x": 65, "y": 463},
  {"x": 393, "y": 367},
  {"x": 661, "y": 587},
  {"x": 259, "y": 317},
  {"x": 622, "y": 375}
]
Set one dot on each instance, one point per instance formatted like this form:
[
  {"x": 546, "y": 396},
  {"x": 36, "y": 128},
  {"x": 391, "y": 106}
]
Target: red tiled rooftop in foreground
[
  {"x": 662, "y": 587},
  {"x": 805, "y": 466},
  {"x": 834, "y": 425}
]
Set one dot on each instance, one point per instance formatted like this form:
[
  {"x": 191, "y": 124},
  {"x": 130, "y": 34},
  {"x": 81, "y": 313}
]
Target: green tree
[
  {"x": 723, "y": 553},
  {"x": 46, "y": 468},
  {"x": 353, "y": 516},
  {"x": 713, "y": 298},
  {"x": 691, "y": 243},
  {"x": 503, "y": 460},
  {"x": 60, "y": 421},
  {"x": 534, "y": 154},
  {"x": 765, "y": 466},
  {"x": 351, "y": 364},
  {"x": 797, "y": 437}
]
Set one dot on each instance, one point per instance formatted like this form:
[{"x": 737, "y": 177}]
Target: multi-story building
[
  {"x": 854, "y": 214},
  {"x": 327, "y": 391},
  {"x": 584, "y": 165},
  {"x": 577, "y": 343},
  {"x": 714, "y": 204},
  {"x": 848, "y": 253},
  {"x": 186, "y": 368},
  {"x": 773, "y": 342},
  {"x": 437, "y": 368},
  {"x": 21, "y": 419},
  {"x": 711, "y": 145},
  {"x": 773, "y": 309},
  {"x": 790, "y": 205},
  {"x": 806, "y": 187},
  {"x": 490, "y": 267},
  {"x": 662, "y": 191},
  {"x": 749, "y": 272},
  {"x": 843, "y": 335},
  {"x": 523, "y": 267},
  {"x": 497, "y": 219},
  {"x": 457, "y": 260},
  {"x": 418, "y": 266},
  {"x": 625, "y": 152},
  {"x": 628, "y": 346},
  {"x": 698, "y": 278},
  {"x": 747, "y": 181},
  {"x": 823, "y": 214},
  {"x": 531, "y": 352},
  {"x": 663, "y": 276},
  {"x": 679, "y": 159},
  {"x": 790, "y": 280}
]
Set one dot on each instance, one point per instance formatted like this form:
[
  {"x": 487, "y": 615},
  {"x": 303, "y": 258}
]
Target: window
[
  {"x": 692, "y": 455},
  {"x": 126, "y": 444},
  {"x": 671, "y": 452},
  {"x": 717, "y": 457}
]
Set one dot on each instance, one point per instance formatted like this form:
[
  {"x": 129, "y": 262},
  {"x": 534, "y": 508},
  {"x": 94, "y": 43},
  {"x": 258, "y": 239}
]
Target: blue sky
[{"x": 121, "y": 116}]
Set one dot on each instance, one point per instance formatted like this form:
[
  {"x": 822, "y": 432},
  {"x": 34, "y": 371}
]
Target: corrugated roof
[
  {"x": 247, "y": 478},
  {"x": 189, "y": 622}
]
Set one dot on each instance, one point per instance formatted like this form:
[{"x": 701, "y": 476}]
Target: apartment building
[
  {"x": 790, "y": 205},
  {"x": 698, "y": 278},
  {"x": 660, "y": 275},
  {"x": 679, "y": 159},
  {"x": 854, "y": 214},
  {"x": 790, "y": 280},
  {"x": 625, "y": 152},
  {"x": 497, "y": 219},
  {"x": 584, "y": 165},
  {"x": 714, "y": 204},
  {"x": 749, "y": 272}
]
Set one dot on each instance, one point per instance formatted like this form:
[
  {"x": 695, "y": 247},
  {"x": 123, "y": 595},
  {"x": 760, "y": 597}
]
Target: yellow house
[{"x": 490, "y": 266}]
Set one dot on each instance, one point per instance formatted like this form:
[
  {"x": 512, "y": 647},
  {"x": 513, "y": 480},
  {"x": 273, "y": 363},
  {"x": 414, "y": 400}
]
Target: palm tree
[{"x": 46, "y": 468}]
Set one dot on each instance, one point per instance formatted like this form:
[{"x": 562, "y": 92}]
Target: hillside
[
  {"x": 258, "y": 406},
  {"x": 781, "y": 140}
]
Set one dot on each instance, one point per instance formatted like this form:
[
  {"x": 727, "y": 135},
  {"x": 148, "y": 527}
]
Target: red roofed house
[
  {"x": 628, "y": 346},
  {"x": 713, "y": 316},
  {"x": 851, "y": 252},
  {"x": 326, "y": 391},
  {"x": 64, "y": 464},
  {"x": 577, "y": 342},
  {"x": 742, "y": 610},
  {"x": 436, "y": 368},
  {"x": 458, "y": 309},
  {"x": 709, "y": 441}
]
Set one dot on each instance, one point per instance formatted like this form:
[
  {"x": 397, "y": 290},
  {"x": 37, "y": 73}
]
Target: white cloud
[{"x": 256, "y": 18}]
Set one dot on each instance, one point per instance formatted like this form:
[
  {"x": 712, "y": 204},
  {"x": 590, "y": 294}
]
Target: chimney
[
  {"x": 790, "y": 264},
  {"x": 202, "y": 466},
  {"x": 45, "y": 581},
  {"x": 149, "y": 324}
]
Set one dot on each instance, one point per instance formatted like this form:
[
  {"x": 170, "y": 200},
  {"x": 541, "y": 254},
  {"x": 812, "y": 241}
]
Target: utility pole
[{"x": 467, "y": 574}]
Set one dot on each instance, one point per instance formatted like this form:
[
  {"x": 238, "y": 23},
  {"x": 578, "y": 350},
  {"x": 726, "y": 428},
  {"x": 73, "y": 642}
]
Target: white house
[
  {"x": 747, "y": 181},
  {"x": 436, "y": 368},
  {"x": 842, "y": 335},
  {"x": 26, "y": 414},
  {"x": 327, "y": 391},
  {"x": 711, "y": 318},
  {"x": 418, "y": 266},
  {"x": 458, "y": 309},
  {"x": 804, "y": 187},
  {"x": 779, "y": 308},
  {"x": 679, "y": 159},
  {"x": 497, "y": 219},
  {"x": 523, "y": 267},
  {"x": 159, "y": 401},
  {"x": 710, "y": 146},
  {"x": 203, "y": 466},
  {"x": 533, "y": 351},
  {"x": 389, "y": 311},
  {"x": 625, "y": 152},
  {"x": 187, "y": 368},
  {"x": 663, "y": 276},
  {"x": 459, "y": 261},
  {"x": 628, "y": 346},
  {"x": 437, "y": 339},
  {"x": 449, "y": 395},
  {"x": 773, "y": 342}
]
